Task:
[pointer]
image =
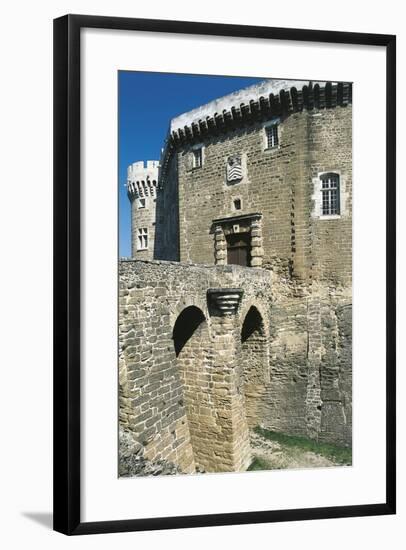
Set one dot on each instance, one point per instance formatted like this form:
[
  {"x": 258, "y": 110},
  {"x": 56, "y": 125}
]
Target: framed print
[{"x": 224, "y": 303}]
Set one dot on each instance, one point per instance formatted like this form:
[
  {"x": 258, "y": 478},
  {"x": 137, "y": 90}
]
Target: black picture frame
[{"x": 67, "y": 296}]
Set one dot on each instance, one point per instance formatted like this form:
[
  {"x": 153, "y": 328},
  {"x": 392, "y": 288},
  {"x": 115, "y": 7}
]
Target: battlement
[
  {"x": 244, "y": 96},
  {"x": 142, "y": 179},
  {"x": 141, "y": 165}
]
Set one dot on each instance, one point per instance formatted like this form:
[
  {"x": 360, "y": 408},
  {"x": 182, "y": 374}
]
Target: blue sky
[{"x": 147, "y": 102}]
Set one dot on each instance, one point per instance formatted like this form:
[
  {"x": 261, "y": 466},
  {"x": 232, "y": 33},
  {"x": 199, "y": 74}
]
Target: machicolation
[{"x": 235, "y": 308}]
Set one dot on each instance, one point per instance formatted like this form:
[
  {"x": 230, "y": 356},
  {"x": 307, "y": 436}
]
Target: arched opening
[
  {"x": 192, "y": 347},
  {"x": 255, "y": 366},
  {"x": 185, "y": 327}
]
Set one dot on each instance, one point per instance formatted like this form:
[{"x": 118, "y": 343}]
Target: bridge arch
[
  {"x": 254, "y": 372},
  {"x": 191, "y": 340}
]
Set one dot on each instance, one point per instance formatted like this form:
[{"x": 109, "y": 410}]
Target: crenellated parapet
[
  {"x": 142, "y": 179},
  {"x": 253, "y": 105},
  {"x": 257, "y": 103}
]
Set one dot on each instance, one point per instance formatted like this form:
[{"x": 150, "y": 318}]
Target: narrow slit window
[
  {"x": 237, "y": 204},
  {"x": 272, "y": 137},
  {"x": 142, "y": 238},
  {"x": 197, "y": 158},
  {"x": 330, "y": 194},
  {"x": 142, "y": 203}
]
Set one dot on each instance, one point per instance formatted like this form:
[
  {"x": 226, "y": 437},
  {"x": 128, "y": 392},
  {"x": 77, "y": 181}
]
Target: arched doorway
[
  {"x": 254, "y": 377},
  {"x": 192, "y": 348}
]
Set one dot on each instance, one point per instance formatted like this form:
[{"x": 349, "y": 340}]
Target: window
[
  {"x": 142, "y": 238},
  {"x": 237, "y": 204},
  {"x": 272, "y": 138},
  {"x": 330, "y": 194},
  {"x": 197, "y": 158},
  {"x": 142, "y": 203}
]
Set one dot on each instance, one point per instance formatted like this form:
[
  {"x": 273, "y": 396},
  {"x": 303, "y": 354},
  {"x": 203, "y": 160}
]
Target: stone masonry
[
  {"x": 209, "y": 349},
  {"x": 260, "y": 365},
  {"x": 142, "y": 187}
]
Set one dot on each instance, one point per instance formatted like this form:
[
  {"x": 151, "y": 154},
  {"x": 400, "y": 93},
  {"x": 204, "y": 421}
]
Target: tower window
[
  {"x": 272, "y": 136},
  {"x": 142, "y": 238},
  {"x": 142, "y": 202},
  {"x": 237, "y": 204},
  {"x": 330, "y": 194},
  {"x": 197, "y": 158}
]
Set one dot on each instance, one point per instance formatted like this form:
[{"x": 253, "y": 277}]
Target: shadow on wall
[
  {"x": 166, "y": 244},
  {"x": 254, "y": 369},
  {"x": 186, "y": 324},
  {"x": 192, "y": 346}
]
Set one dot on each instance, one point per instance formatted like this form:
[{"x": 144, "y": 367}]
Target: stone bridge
[
  {"x": 201, "y": 363},
  {"x": 193, "y": 360}
]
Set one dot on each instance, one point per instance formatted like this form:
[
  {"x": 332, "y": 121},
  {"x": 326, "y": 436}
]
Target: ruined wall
[{"x": 280, "y": 359}]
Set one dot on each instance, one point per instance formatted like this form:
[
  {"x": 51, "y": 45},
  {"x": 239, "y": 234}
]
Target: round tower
[{"x": 142, "y": 186}]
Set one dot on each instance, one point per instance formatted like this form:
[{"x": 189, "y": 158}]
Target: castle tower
[{"x": 142, "y": 186}]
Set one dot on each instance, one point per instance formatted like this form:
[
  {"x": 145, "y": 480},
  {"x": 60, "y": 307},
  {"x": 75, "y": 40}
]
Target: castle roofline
[
  {"x": 241, "y": 97},
  {"x": 245, "y": 95},
  {"x": 269, "y": 99},
  {"x": 141, "y": 167},
  {"x": 142, "y": 179},
  {"x": 261, "y": 102}
]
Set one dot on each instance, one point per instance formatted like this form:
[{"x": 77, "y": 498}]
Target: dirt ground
[{"x": 278, "y": 456}]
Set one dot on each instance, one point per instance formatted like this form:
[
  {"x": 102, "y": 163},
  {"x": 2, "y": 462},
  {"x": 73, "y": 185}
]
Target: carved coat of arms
[{"x": 234, "y": 169}]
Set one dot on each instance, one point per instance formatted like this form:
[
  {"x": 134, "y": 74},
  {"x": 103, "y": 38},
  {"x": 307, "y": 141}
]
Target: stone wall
[
  {"x": 282, "y": 184},
  {"x": 310, "y": 357},
  {"x": 329, "y": 241},
  {"x": 142, "y": 189},
  {"x": 177, "y": 398},
  {"x": 167, "y": 215},
  {"x": 272, "y": 345},
  {"x": 198, "y": 369}
]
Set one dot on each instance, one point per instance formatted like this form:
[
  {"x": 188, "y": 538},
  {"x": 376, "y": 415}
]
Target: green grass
[
  {"x": 258, "y": 464},
  {"x": 339, "y": 455}
]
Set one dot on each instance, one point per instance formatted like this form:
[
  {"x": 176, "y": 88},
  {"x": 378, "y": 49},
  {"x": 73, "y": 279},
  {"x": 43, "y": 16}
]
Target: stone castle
[{"x": 235, "y": 308}]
